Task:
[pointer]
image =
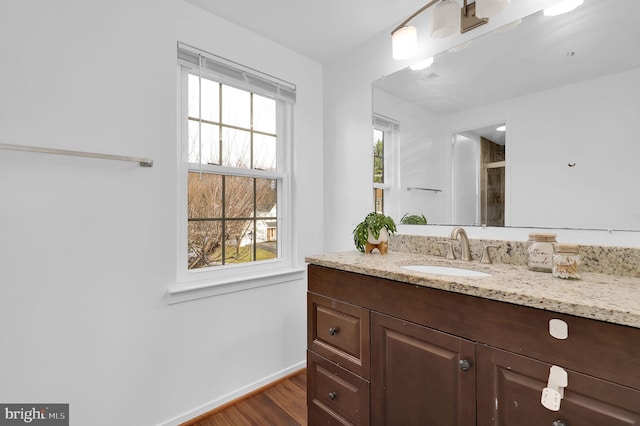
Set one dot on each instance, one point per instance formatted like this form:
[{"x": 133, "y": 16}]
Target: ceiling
[{"x": 319, "y": 30}]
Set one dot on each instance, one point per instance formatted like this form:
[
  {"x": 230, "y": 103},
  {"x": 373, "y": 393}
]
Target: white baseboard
[{"x": 233, "y": 395}]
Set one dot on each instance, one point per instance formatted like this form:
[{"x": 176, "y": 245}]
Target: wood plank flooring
[{"x": 283, "y": 404}]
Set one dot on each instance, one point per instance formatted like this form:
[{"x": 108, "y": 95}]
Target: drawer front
[
  {"x": 335, "y": 395},
  {"x": 339, "y": 332}
]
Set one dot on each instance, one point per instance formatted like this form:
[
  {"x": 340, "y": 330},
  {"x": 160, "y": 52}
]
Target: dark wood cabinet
[
  {"x": 420, "y": 376},
  {"x": 384, "y": 352},
  {"x": 335, "y": 395},
  {"x": 509, "y": 391}
]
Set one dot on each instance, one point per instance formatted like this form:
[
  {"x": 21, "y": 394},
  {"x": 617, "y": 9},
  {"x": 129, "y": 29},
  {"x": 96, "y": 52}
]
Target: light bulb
[
  {"x": 445, "y": 19},
  {"x": 489, "y": 8},
  {"x": 404, "y": 43}
]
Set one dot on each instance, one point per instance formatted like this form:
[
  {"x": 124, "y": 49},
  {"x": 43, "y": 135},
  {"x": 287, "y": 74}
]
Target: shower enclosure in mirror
[
  {"x": 478, "y": 176},
  {"x": 568, "y": 90}
]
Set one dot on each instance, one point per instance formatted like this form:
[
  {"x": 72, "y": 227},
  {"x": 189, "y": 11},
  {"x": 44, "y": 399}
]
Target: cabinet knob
[
  {"x": 332, "y": 395},
  {"x": 465, "y": 365},
  {"x": 558, "y": 423},
  {"x": 333, "y": 331}
]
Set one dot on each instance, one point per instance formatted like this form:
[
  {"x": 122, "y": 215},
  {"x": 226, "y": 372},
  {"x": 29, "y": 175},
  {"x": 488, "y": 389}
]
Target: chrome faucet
[{"x": 466, "y": 251}]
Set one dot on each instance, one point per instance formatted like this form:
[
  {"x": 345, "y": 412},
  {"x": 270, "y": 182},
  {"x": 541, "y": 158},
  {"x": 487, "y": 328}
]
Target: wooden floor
[{"x": 284, "y": 404}]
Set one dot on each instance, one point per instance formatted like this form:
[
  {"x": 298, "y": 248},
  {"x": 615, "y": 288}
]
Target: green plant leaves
[
  {"x": 413, "y": 219},
  {"x": 374, "y": 222}
]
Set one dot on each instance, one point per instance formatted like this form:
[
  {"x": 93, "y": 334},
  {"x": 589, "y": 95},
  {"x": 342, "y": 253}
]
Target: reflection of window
[
  {"x": 378, "y": 169},
  {"x": 384, "y": 130},
  {"x": 234, "y": 139}
]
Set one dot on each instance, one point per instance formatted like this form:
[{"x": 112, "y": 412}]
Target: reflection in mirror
[
  {"x": 568, "y": 90},
  {"x": 478, "y": 176}
]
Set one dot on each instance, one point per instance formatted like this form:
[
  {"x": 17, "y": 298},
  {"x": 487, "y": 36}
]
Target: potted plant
[
  {"x": 413, "y": 219},
  {"x": 373, "y": 232}
]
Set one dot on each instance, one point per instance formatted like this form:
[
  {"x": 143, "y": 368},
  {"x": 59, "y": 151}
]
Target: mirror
[{"x": 568, "y": 90}]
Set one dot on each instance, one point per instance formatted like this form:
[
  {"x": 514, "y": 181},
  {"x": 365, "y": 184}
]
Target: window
[
  {"x": 384, "y": 130},
  {"x": 232, "y": 215},
  {"x": 235, "y": 126},
  {"x": 378, "y": 169}
]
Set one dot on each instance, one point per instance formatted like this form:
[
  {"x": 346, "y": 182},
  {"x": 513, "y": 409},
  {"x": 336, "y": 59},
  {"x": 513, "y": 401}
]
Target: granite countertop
[{"x": 609, "y": 298}]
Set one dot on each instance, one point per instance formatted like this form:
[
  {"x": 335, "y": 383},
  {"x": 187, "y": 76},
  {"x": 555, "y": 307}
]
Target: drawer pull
[
  {"x": 465, "y": 365},
  {"x": 333, "y": 396},
  {"x": 558, "y": 423},
  {"x": 333, "y": 331}
]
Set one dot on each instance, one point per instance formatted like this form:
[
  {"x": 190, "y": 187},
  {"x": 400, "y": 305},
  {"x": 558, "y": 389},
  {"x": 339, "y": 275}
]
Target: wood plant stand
[{"x": 383, "y": 247}]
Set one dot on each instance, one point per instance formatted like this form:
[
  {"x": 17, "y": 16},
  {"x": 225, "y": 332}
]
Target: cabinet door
[
  {"x": 420, "y": 376},
  {"x": 510, "y": 388}
]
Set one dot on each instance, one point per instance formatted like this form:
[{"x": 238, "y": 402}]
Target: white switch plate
[{"x": 558, "y": 329}]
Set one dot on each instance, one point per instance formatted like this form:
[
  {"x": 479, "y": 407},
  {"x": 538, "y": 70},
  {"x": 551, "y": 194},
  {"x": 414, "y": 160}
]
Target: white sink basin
[{"x": 444, "y": 270}]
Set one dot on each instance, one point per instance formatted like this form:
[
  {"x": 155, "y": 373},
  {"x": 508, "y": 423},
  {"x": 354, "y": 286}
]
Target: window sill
[{"x": 184, "y": 292}]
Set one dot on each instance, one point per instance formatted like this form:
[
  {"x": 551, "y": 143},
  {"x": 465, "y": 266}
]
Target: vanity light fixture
[
  {"x": 564, "y": 6},
  {"x": 445, "y": 20},
  {"x": 404, "y": 42},
  {"x": 420, "y": 65},
  {"x": 489, "y": 8},
  {"x": 502, "y": 128},
  {"x": 404, "y": 39}
]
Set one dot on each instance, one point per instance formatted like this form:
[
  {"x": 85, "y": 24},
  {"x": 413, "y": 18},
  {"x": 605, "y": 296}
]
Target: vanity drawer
[
  {"x": 335, "y": 395},
  {"x": 600, "y": 349},
  {"x": 339, "y": 332}
]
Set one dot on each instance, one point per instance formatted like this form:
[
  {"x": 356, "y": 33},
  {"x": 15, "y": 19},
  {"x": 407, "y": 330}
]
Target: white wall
[
  {"x": 466, "y": 175},
  {"x": 88, "y": 247}
]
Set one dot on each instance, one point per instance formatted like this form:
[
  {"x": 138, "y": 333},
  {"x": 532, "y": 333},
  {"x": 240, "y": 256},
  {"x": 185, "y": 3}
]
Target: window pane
[
  {"x": 264, "y": 114},
  {"x": 193, "y": 96},
  {"x": 204, "y": 239},
  {"x": 210, "y": 100},
  {"x": 266, "y": 239},
  {"x": 236, "y": 107},
  {"x": 210, "y": 143},
  {"x": 266, "y": 197},
  {"x": 378, "y": 170},
  {"x": 239, "y": 242},
  {"x": 378, "y": 200},
  {"x": 264, "y": 152},
  {"x": 236, "y": 148},
  {"x": 239, "y": 197},
  {"x": 204, "y": 196},
  {"x": 378, "y": 156}
]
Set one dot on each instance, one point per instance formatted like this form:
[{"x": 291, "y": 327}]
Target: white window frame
[{"x": 204, "y": 282}]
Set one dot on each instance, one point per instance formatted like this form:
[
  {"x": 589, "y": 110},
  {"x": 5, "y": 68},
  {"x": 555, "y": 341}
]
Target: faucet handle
[
  {"x": 485, "y": 253},
  {"x": 450, "y": 255}
]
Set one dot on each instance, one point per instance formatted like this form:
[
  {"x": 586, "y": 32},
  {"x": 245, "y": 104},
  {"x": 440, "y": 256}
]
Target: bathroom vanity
[{"x": 391, "y": 346}]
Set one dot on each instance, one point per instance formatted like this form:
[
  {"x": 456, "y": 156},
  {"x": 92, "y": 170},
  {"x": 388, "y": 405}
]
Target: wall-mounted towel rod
[
  {"x": 411, "y": 188},
  {"x": 144, "y": 162}
]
